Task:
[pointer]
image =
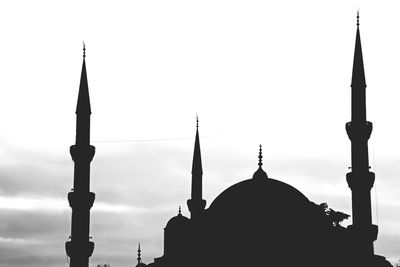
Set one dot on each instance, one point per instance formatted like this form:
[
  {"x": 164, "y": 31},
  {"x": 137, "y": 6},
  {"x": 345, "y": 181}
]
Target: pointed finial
[
  {"x": 197, "y": 121},
  {"x": 84, "y": 50},
  {"x": 139, "y": 259},
  {"x": 179, "y": 212},
  {"x": 358, "y": 18},
  {"x": 260, "y": 173}
]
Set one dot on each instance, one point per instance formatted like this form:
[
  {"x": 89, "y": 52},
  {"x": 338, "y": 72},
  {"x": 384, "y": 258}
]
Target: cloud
[
  {"x": 47, "y": 204},
  {"x": 17, "y": 241}
]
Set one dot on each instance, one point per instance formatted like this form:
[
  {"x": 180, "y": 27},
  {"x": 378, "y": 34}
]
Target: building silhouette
[
  {"x": 79, "y": 248},
  {"x": 264, "y": 222},
  {"x": 259, "y": 221}
]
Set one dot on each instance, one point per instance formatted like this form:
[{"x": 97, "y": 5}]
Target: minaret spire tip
[
  {"x": 197, "y": 121},
  {"x": 84, "y": 49},
  {"x": 358, "y": 18}
]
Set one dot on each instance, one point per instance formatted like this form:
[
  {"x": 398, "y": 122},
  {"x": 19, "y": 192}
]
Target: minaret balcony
[
  {"x": 78, "y": 199},
  {"x": 359, "y": 131},
  {"x": 91, "y": 248},
  {"x": 69, "y": 248},
  {"x": 360, "y": 180},
  {"x": 82, "y": 153}
]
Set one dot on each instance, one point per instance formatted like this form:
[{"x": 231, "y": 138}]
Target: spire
[
  {"x": 358, "y": 80},
  {"x": 260, "y": 173},
  {"x": 139, "y": 259},
  {"x": 260, "y": 157},
  {"x": 196, "y": 204},
  {"x": 196, "y": 164},
  {"x": 83, "y": 106}
]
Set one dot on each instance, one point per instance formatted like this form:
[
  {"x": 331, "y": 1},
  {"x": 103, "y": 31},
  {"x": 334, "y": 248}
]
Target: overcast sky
[{"x": 275, "y": 73}]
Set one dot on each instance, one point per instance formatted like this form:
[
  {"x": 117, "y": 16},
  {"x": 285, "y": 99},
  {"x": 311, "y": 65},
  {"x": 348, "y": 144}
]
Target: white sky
[{"x": 276, "y": 73}]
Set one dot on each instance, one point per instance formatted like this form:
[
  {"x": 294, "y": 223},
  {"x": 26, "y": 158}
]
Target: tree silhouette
[{"x": 335, "y": 217}]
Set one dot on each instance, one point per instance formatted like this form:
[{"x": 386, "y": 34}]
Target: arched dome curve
[
  {"x": 254, "y": 192},
  {"x": 177, "y": 222}
]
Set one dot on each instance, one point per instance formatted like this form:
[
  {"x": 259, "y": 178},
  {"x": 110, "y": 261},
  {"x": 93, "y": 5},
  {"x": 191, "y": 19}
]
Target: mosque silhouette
[{"x": 257, "y": 222}]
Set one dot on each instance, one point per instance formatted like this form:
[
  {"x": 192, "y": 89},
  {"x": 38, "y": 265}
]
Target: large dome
[
  {"x": 250, "y": 193},
  {"x": 266, "y": 220}
]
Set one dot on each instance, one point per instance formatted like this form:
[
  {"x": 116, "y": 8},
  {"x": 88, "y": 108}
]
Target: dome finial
[
  {"x": 260, "y": 173},
  {"x": 179, "y": 211},
  {"x": 139, "y": 259},
  {"x": 84, "y": 49}
]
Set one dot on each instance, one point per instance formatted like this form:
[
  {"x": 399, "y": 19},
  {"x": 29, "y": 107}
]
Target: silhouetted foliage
[{"x": 335, "y": 217}]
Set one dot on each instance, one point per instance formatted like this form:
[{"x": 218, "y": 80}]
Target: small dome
[
  {"x": 178, "y": 221},
  {"x": 141, "y": 264}
]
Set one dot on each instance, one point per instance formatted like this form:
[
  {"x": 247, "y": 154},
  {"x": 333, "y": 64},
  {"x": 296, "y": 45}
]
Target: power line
[{"x": 153, "y": 140}]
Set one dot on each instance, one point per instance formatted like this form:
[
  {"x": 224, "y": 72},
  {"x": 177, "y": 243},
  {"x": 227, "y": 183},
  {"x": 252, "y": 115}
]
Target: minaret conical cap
[
  {"x": 358, "y": 77},
  {"x": 83, "y": 105},
  {"x": 197, "y": 167}
]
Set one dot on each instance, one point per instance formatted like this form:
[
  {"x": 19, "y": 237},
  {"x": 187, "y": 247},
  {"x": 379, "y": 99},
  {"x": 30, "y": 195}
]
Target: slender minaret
[
  {"x": 360, "y": 179},
  {"x": 79, "y": 248},
  {"x": 139, "y": 258},
  {"x": 196, "y": 204}
]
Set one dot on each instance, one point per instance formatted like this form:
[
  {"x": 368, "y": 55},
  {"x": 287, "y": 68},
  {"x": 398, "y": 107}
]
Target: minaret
[
  {"x": 79, "y": 248},
  {"x": 196, "y": 204},
  {"x": 139, "y": 258},
  {"x": 360, "y": 179}
]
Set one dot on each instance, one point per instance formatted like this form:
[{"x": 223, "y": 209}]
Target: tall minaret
[
  {"x": 360, "y": 179},
  {"x": 79, "y": 248},
  {"x": 196, "y": 204}
]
